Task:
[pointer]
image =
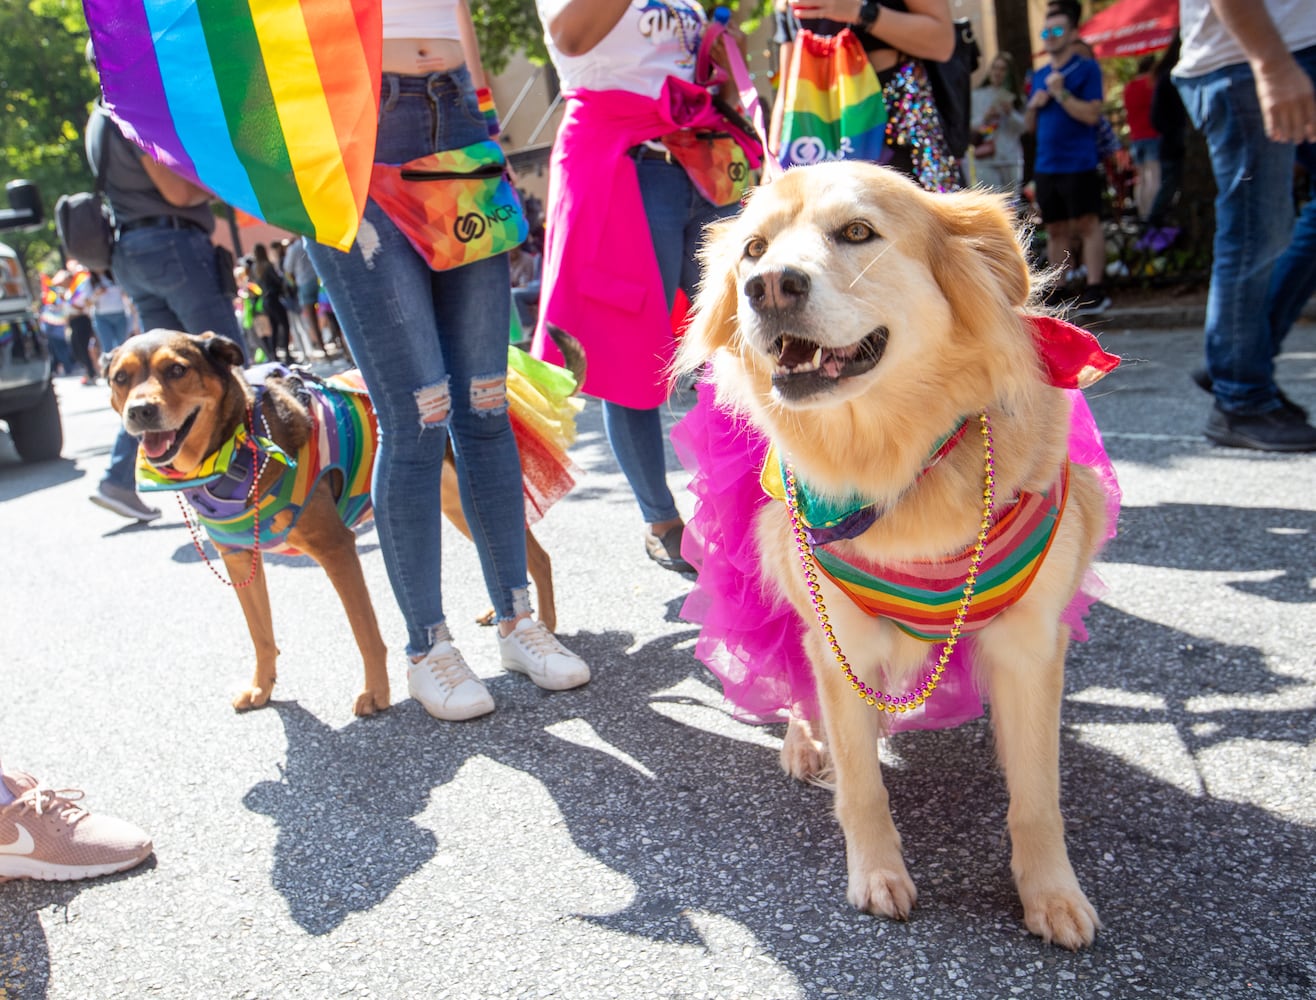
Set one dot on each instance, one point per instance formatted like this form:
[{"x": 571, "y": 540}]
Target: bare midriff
[{"x": 422, "y": 56}]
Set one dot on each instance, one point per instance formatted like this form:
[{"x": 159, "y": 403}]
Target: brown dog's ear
[
  {"x": 221, "y": 352},
  {"x": 106, "y": 361},
  {"x": 713, "y": 320}
]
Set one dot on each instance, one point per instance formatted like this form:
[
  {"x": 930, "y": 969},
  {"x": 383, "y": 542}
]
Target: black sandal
[{"x": 666, "y": 550}]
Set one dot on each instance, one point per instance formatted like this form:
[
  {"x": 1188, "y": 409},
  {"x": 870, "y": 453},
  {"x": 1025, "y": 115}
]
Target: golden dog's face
[
  {"x": 838, "y": 274},
  {"x": 172, "y": 391}
]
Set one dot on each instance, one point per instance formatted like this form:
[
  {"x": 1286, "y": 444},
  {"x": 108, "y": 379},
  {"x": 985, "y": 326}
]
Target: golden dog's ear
[
  {"x": 982, "y": 255},
  {"x": 221, "y": 352},
  {"x": 713, "y": 323}
]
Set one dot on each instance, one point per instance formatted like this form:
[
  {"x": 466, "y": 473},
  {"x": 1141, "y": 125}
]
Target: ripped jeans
[{"x": 432, "y": 347}]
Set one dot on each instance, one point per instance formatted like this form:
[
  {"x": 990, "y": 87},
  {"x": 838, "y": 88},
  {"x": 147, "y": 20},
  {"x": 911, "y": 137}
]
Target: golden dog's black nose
[{"x": 777, "y": 290}]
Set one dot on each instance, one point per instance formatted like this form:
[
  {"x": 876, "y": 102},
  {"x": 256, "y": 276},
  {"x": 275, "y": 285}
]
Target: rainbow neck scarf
[{"x": 922, "y": 597}]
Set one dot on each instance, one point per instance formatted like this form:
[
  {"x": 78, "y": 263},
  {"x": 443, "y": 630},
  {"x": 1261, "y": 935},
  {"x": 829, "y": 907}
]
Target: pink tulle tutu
[{"x": 750, "y": 636}]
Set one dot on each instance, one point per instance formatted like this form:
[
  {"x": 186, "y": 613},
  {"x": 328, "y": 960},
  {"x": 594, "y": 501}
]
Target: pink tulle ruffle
[{"x": 750, "y": 637}]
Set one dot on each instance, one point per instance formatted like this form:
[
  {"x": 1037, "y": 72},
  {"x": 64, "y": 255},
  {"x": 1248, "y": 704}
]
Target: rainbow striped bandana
[
  {"x": 922, "y": 596},
  {"x": 343, "y": 437}
]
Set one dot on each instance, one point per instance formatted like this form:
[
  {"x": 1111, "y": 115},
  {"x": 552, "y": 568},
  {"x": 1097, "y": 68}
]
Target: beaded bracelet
[{"x": 485, "y": 97}]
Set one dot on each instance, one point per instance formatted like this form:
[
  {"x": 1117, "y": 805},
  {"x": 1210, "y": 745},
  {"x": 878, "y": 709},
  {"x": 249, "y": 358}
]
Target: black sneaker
[
  {"x": 1092, "y": 302},
  {"x": 1278, "y": 430},
  {"x": 1204, "y": 382}
]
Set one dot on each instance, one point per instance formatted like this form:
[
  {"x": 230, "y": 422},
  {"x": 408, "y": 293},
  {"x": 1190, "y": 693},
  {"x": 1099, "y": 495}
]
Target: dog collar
[
  {"x": 825, "y": 519},
  {"x": 232, "y": 459}
]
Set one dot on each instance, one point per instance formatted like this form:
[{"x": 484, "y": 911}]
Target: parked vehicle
[{"x": 27, "y": 390}]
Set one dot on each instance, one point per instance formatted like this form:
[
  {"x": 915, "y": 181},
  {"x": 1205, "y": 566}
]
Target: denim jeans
[
  {"x": 170, "y": 276},
  {"x": 1254, "y": 224},
  {"x": 677, "y": 214},
  {"x": 1294, "y": 278},
  {"x": 111, "y": 329},
  {"x": 432, "y": 347}
]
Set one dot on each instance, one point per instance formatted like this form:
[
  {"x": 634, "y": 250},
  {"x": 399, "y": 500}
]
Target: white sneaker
[
  {"x": 443, "y": 683},
  {"x": 533, "y": 650}
]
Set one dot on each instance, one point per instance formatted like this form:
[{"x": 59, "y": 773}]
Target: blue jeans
[
  {"x": 111, "y": 329},
  {"x": 170, "y": 276},
  {"x": 677, "y": 214},
  {"x": 1294, "y": 277},
  {"x": 432, "y": 347},
  {"x": 1254, "y": 224}
]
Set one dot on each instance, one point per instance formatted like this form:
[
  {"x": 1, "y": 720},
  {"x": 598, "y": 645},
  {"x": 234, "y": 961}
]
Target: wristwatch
[{"x": 868, "y": 13}]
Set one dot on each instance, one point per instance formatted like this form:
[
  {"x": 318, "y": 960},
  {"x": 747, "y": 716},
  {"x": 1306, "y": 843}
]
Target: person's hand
[
  {"x": 1288, "y": 101},
  {"x": 1039, "y": 99},
  {"x": 846, "y": 11},
  {"x": 1055, "y": 84}
]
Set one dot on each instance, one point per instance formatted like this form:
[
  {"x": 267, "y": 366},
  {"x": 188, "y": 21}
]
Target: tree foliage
[{"x": 46, "y": 88}]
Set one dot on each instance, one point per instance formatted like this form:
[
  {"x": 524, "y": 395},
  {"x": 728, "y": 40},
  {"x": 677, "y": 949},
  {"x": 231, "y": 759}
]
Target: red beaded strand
[{"x": 193, "y": 524}]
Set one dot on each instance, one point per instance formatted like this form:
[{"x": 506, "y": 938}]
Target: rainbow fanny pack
[{"x": 455, "y": 206}]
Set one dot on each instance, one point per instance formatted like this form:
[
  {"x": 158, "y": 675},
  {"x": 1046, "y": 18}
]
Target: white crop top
[
  {"x": 653, "y": 40},
  {"x": 421, "y": 19}
]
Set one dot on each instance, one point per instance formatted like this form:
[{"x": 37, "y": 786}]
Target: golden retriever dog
[{"x": 857, "y": 320}]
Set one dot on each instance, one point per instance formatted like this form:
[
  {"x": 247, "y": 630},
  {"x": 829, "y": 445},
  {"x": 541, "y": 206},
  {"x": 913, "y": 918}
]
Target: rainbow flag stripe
[
  {"x": 270, "y": 104},
  {"x": 923, "y": 597},
  {"x": 834, "y": 105}
]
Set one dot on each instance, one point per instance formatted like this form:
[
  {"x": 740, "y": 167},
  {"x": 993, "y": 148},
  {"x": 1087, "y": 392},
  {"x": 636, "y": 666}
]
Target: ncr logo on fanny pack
[{"x": 472, "y": 225}]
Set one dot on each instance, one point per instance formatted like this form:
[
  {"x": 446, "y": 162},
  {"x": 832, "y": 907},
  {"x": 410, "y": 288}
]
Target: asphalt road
[{"x": 630, "y": 839}]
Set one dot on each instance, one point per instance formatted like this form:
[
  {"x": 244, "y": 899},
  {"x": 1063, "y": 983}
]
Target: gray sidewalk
[{"x": 630, "y": 839}]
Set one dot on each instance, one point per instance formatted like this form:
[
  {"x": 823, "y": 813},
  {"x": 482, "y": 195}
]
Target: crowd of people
[{"x": 432, "y": 344}]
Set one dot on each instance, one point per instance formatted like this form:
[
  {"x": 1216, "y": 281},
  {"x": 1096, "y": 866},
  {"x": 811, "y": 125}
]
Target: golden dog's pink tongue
[{"x": 156, "y": 443}]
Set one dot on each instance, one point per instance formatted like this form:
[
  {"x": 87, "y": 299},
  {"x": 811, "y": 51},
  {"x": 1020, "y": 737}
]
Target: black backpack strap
[{"x": 103, "y": 153}]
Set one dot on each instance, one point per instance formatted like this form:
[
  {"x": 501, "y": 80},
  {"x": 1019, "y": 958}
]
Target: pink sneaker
[{"x": 45, "y": 834}]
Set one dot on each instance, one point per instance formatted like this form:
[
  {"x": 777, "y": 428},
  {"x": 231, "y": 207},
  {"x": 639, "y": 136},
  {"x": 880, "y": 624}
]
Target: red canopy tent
[{"x": 1131, "y": 27}]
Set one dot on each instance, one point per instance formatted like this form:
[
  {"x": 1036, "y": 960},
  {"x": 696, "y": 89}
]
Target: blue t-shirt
[{"x": 1064, "y": 144}]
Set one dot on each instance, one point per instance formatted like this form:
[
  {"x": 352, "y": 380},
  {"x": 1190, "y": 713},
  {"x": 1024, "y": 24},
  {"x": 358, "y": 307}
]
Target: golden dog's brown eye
[
  {"x": 857, "y": 232},
  {"x": 756, "y": 247}
]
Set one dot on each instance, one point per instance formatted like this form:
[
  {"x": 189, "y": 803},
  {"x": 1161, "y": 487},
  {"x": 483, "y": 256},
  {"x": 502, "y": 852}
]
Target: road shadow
[
  {"x": 19, "y": 478},
  {"x": 24, "y": 952},
  {"x": 1193, "y": 889}
]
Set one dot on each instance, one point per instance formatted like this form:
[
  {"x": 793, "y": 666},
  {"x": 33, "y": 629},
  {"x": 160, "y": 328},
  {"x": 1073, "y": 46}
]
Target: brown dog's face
[
  {"x": 174, "y": 393},
  {"x": 839, "y": 279}
]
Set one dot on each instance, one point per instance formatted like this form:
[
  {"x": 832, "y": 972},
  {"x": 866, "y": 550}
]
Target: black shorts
[{"x": 1061, "y": 197}]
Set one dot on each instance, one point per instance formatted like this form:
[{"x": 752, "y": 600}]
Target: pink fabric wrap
[
  {"x": 750, "y": 637},
  {"x": 600, "y": 277}
]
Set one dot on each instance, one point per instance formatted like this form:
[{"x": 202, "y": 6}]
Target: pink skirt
[{"x": 750, "y": 636}]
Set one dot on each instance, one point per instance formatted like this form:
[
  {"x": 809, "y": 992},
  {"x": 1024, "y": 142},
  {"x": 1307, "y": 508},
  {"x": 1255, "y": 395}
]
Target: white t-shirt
[
  {"x": 653, "y": 40},
  {"x": 421, "y": 19},
  {"x": 1208, "y": 45}
]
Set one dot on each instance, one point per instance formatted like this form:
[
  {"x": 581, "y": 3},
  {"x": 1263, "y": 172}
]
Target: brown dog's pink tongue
[{"x": 156, "y": 443}]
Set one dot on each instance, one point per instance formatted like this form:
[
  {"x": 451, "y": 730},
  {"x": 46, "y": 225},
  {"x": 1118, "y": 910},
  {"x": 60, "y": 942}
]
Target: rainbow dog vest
[
  {"x": 343, "y": 437},
  {"x": 922, "y": 596}
]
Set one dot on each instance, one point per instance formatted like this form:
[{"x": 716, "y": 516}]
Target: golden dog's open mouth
[
  {"x": 160, "y": 447},
  {"x": 805, "y": 368}
]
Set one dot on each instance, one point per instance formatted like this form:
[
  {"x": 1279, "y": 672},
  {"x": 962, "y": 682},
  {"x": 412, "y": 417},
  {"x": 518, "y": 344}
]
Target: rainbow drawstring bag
[{"x": 834, "y": 109}]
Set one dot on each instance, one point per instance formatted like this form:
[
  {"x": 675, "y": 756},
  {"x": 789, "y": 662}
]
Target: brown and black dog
[{"x": 184, "y": 397}]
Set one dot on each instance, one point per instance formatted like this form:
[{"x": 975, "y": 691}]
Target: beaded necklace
[
  {"x": 910, "y": 701},
  {"x": 194, "y": 525}
]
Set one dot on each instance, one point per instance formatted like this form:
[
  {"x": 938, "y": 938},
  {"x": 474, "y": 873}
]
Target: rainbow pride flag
[
  {"x": 834, "y": 108},
  {"x": 270, "y": 104}
]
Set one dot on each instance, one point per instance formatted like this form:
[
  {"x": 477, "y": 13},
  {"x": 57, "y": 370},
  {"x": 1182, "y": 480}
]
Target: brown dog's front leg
[
  {"x": 541, "y": 572},
  {"x": 255, "y": 601}
]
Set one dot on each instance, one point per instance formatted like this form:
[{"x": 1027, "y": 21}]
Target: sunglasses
[{"x": 1056, "y": 32}]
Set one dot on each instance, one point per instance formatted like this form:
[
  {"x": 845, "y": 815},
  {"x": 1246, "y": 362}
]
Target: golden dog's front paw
[
  {"x": 802, "y": 756},
  {"x": 888, "y": 892},
  {"x": 370, "y": 701},
  {"x": 252, "y": 697},
  {"x": 1063, "y": 917}
]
